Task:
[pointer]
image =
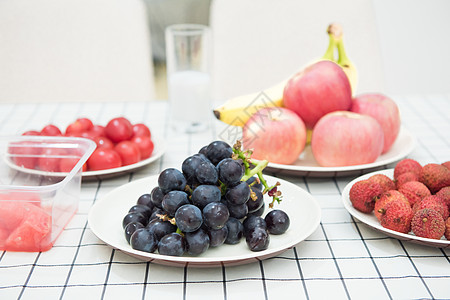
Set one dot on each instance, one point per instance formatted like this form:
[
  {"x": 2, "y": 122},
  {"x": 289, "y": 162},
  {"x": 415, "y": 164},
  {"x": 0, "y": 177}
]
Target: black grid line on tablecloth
[{"x": 227, "y": 277}]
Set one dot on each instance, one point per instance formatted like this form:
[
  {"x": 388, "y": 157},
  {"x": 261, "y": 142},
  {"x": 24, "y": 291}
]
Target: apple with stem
[
  {"x": 344, "y": 138},
  {"x": 320, "y": 88},
  {"x": 275, "y": 134}
]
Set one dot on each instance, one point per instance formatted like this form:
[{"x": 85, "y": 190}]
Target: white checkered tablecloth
[{"x": 342, "y": 259}]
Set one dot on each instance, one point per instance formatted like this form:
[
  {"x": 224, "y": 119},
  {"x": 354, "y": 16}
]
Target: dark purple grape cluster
[{"x": 217, "y": 198}]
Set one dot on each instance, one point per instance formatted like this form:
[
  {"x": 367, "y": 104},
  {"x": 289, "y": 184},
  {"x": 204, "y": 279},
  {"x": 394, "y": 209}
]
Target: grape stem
[{"x": 252, "y": 169}]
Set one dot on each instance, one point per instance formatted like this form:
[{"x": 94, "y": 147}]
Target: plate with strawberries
[{"x": 409, "y": 202}]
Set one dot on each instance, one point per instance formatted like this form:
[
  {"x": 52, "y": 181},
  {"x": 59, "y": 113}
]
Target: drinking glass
[{"x": 188, "y": 61}]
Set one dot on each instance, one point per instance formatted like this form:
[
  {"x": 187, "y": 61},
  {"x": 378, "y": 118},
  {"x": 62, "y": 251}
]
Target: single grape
[
  {"x": 131, "y": 228},
  {"x": 277, "y": 221},
  {"x": 259, "y": 212},
  {"x": 157, "y": 196},
  {"x": 197, "y": 242},
  {"x": 215, "y": 215},
  {"x": 160, "y": 228},
  {"x": 202, "y": 156},
  {"x": 217, "y": 236},
  {"x": 255, "y": 204},
  {"x": 218, "y": 150},
  {"x": 173, "y": 200},
  {"x": 134, "y": 217},
  {"x": 144, "y": 240},
  {"x": 171, "y": 180},
  {"x": 172, "y": 244},
  {"x": 188, "y": 218},
  {"x": 257, "y": 184},
  {"x": 189, "y": 166},
  {"x": 238, "y": 194},
  {"x": 156, "y": 213},
  {"x": 252, "y": 222},
  {"x": 203, "y": 150},
  {"x": 204, "y": 194},
  {"x": 230, "y": 171},
  {"x": 257, "y": 239},
  {"x": 146, "y": 199},
  {"x": 237, "y": 211},
  {"x": 235, "y": 231},
  {"x": 206, "y": 173},
  {"x": 143, "y": 209}
]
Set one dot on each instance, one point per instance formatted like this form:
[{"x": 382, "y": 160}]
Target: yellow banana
[
  {"x": 238, "y": 110},
  {"x": 335, "y": 34}
]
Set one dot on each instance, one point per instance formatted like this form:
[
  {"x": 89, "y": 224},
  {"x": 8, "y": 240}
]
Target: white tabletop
[{"x": 342, "y": 259}]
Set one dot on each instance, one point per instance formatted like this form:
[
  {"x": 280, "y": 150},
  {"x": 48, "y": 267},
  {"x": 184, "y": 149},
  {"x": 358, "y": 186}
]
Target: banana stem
[
  {"x": 329, "y": 54},
  {"x": 343, "y": 58}
]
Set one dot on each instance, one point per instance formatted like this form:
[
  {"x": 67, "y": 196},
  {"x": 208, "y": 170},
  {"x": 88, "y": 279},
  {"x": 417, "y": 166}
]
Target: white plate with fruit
[
  {"x": 105, "y": 221},
  {"x": 306, "y": 164},
  {"x": 371, "y": 220},
  {"x": 158, "y": 152},
  {"x": 122, "y": 147},
  {"x": 215, "y": 210},
  {"x": 315, "y": 123}
]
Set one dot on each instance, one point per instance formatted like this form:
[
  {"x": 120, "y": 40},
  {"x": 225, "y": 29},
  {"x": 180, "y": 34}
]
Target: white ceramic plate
[
  {"x": 158, "y": 151},
  {"x": 306, "y": 165},
  {"x": 105, "y": 221},
  {"x": 372, "y": 221}
]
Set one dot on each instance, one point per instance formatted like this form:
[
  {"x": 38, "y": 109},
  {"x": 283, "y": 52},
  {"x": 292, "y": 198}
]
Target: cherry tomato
[
  {"x": 23, "y": 155},
  {"x": 129, "y": 152},
  {"x": 68, "y": 163},
  {"x": 31, "y": 132},
  {"x": 104, "y": 158},
  {"x": 145, "y": 145},
  {"x": 141, "y": 130},
  {"x": 119, "y": 129},
  {"x": 51, "y": 130},
  {"x": 79, "y": 126},
  {"x": 88, "y": 135},
  {"x": 49, "y": 159},
  {"x": 103, "y": 142},
  {"x": 99, "y": 130},
  {"x": 85, "y": 123}
]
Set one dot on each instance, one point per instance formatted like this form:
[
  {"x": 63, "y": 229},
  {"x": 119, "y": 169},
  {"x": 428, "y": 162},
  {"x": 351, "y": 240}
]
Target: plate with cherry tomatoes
[{"x": 122, "y": 147}]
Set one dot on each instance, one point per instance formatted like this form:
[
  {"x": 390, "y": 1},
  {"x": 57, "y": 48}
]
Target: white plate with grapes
[{"x": 107, "y": 214}]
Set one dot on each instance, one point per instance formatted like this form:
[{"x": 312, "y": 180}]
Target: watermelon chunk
[
  {"x": 24, "y": 226},
  {"x": 3, "y": 236}
]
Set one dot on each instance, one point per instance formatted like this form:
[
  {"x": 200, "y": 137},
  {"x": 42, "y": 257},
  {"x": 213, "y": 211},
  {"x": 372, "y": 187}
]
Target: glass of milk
[{"x": 188, "y": 59}]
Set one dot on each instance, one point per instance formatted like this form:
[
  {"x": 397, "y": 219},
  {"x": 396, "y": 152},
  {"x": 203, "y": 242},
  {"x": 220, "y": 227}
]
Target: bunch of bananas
[{"x": 238, "y": 110}]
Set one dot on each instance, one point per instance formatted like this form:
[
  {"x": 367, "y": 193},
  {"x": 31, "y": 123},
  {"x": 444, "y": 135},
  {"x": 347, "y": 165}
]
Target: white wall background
[{"x": 415, "y": 42}]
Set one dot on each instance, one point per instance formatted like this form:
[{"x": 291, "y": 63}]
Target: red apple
[
  {"x": 384, "y": 110},
  {"x": 345, "y": 138},
  {"x": 275, "y": 134},
  {"x": 320, "y": 88}
]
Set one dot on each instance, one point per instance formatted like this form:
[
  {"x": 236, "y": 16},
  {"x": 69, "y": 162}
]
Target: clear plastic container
[{"x": 40, "y": 181}]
